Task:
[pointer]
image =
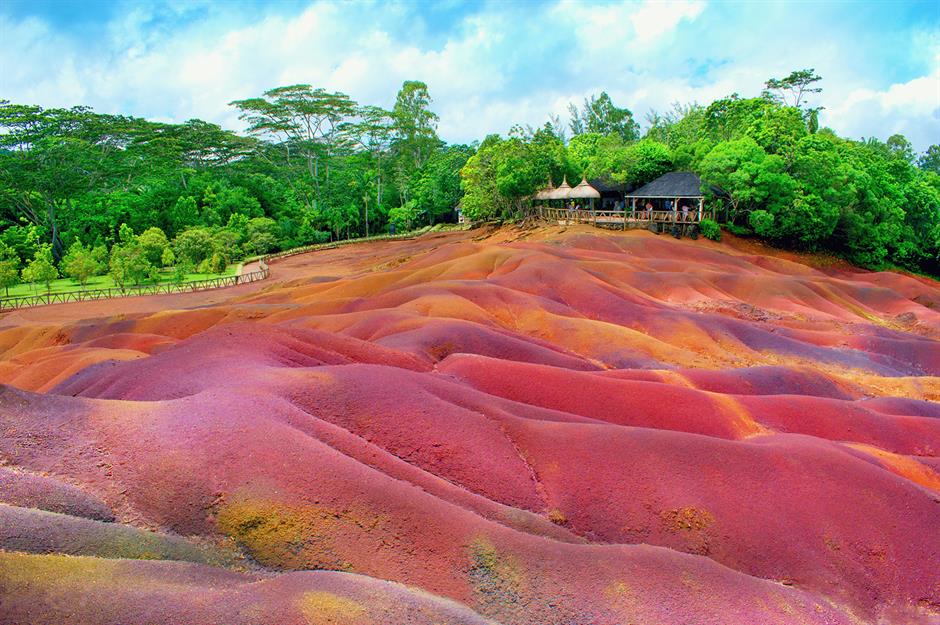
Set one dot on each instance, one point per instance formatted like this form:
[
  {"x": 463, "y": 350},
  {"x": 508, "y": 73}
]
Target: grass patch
[{"x": 67, "y": 285}]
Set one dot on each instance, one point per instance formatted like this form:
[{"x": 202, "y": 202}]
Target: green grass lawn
[{"x": 65, "y": 285}]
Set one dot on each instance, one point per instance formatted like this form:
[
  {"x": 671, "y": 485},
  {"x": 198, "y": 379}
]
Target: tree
[
  {"x": 129, "y": 263},
  {"x": 184, "y": 213},
  {"x": 415, "y": 135},
  {"x": 643, "y": 162},
  {"x": 900, "y": 147},
  {"x": 503, "y": 172},
  {"x": 79, "y": 263},
  {"x": 403, "y": 216},
  {"x": 481, "y": 198},
  {"x": 583, "y": 151},
  {"x": 9, "y": 267},
  {"x": 52, "y": 158},
  {"x": 193, "y": 245},
  {"x": 436, "y": 186},
  {"x": 930, "y": 160},
  {"x": 23, "y": 241},
  {"x": 262, "y": 234},
  {"x": 602, "y": 117},
  {"x": 306, "y": 123},
  {"x": 167, "y": 258},
  {"x": 575, "y": 121},
  {"x": 752, "y": 179},
  {"x": 181, "y": 271},
  {"x": 415, "y": 123},
  {"x": 41, "y": 267},
  {"x": 795, "y": 87},
  {"x": 154, "y": 243},
  {"x": 373, "y": 132}
]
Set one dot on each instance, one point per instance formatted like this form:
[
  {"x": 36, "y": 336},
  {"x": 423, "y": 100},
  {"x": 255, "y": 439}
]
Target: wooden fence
[{"x": 40, "y": 299}]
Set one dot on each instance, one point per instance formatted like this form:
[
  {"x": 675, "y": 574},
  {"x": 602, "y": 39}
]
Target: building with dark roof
[
  {"x": 672, "y": 190},
  {"x": 675, "y": 184}
]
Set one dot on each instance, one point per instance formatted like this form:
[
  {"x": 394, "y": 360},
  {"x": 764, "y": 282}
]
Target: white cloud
[
  {"x": 655, "y": 19},
  {"x": 500, "y": 65},
  {"x": 911, "y": 108}
]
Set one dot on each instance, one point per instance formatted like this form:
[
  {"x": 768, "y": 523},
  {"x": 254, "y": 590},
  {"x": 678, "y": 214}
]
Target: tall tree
[
  {"x": 373, "y": 132},
  {"x": 306, "y": 124},
  {"x": 415, "y": 132},
  {"x": 415, "y": 123},
  {"x": 575, "y": 121},
  {"x": 600, "y": 116},
  {"x": 793, "y": 89}
]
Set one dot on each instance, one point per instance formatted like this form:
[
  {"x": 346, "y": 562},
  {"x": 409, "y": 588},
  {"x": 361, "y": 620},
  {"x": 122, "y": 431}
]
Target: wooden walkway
[{"x": 657, "y": 221}]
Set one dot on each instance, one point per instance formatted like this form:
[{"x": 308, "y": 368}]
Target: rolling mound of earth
[{"x": 514, "y": 426}]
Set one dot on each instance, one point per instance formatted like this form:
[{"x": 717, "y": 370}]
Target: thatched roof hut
[
  {"x": 562, "y": 192},
  {"x": 585, "y": 191},
  {"x": 546, "y": 193}
]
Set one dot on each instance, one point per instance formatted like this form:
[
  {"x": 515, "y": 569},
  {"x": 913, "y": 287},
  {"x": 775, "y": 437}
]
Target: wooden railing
[
  {"x": 40, "y": 299},
  {"x": 625, "y": 219}
]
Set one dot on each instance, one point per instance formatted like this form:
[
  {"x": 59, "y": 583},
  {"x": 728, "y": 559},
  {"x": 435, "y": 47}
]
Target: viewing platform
[
  {"x": 673, "y": 202},
  {"x": 657, "y": 221}
]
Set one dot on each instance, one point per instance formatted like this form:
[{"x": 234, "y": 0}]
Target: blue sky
[{"x": 488, "y": 65}]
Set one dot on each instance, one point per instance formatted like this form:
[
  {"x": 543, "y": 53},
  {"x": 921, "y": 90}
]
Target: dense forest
[{"x": 84, "y": 193}]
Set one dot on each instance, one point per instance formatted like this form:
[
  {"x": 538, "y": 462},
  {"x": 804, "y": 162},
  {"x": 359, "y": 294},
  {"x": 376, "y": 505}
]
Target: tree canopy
[{"x": 82, "y": 193}]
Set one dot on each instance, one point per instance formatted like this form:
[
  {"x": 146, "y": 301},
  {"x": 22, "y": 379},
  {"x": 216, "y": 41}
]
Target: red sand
[{"x": 521, "y": 427}]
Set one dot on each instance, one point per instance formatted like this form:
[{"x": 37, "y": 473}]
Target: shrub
[
  {"x": 154, "y": 242},
  {"x": 762, "y": 222},
  {"x": 212, "y": 264},
  {"x": 79, "y": 263},
  {"x": 739, "y": 231},
  {"x": 711, "y": 229}
]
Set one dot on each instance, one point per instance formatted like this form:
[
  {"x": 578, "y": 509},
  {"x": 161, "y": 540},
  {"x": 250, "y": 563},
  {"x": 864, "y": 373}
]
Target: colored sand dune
[{"x": 514, "y": 427}]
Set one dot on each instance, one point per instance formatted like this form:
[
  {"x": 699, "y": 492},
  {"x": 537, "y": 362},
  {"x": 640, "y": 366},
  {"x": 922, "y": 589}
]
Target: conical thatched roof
[
  {"x": 561, "y": 193},
  {"x": 584, "y": 190},
  {"x": 546, "y": 193}
]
